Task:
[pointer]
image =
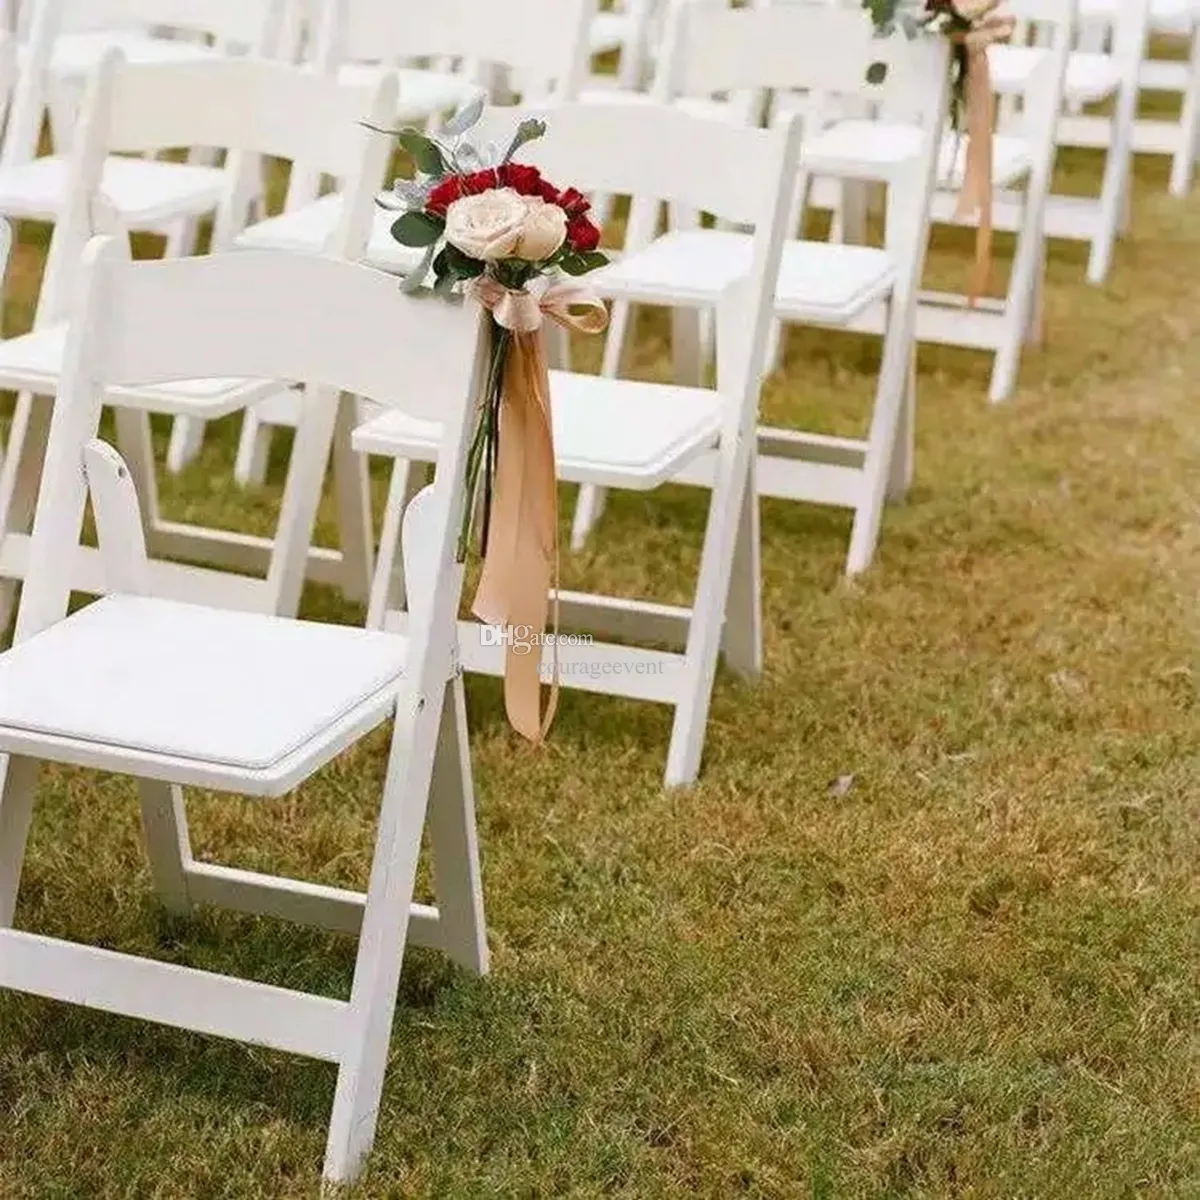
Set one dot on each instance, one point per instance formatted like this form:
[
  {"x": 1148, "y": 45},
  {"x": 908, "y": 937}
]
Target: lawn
[{"x": 929, "y": 924}]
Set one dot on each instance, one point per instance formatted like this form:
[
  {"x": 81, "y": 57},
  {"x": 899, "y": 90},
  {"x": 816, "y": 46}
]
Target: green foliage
[{"x": 417, "y": 229}]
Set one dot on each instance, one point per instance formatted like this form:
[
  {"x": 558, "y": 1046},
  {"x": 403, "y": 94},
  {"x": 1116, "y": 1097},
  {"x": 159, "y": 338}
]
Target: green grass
[{"x": 970, "y": 969}]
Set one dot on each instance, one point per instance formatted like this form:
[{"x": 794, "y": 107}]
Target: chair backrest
[
  {"x": 248, "y": 23},
  {"x": 823, "y": 49},
  {"x": 250, "y": 107},
  {"x": 741, "y": 173},
  {"x": 254, "y": 24},
  {"x": 537, "y": 39},
  {"x": 261, "y": 315}
]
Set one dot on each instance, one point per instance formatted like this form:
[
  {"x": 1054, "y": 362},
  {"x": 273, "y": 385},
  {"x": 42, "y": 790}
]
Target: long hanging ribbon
[
  {"x": 976, "y": 194},
  {"x": 520, "y": 567}
]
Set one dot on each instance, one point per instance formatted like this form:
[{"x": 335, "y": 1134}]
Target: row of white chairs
[
  {"x": 188, "y": 678},
  {"x": 144, "y": 108}
]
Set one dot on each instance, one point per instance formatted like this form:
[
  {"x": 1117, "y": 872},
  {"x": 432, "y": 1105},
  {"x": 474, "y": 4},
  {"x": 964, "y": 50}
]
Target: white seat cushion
[
  {"x": 1090, "y": 77},
  {"x": 422, "y": 93},
  {"x": 875, "y": 149},
  {"x": 615, "y": 433},
  {"x": 159, "y": 678},
  {"x": 821, "y": 282},
  {"x": 76, "y": 55},
  {"x": 33, "y": 363},
  {"x": 145, "y": 192},
  {"x": 307, "y": 230}
]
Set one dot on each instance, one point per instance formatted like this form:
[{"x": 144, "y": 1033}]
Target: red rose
[
  {"x": 582, "y": 235},
  {"x": 574, "y": 203},
  {"x": 456, "y": 187},
  {"x": 524, "y": 180},
  {"x": 548, "y": 192}
]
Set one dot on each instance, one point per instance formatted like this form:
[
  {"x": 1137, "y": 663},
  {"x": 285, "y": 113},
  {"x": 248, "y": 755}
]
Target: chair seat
[
  {"x": 307, "y": 230},
  {"x": 32, "y": 362},
  {"x": 76, "y": 55},
  {"x": 1090, "y": 77},
  {"x": 422, "y": 93},
  {"x": 876, "y": 149},
  {"x": 144, "y": 192},
  {"x": 819, "y": 282},
  {"x": 140, "y": 679},
  {"x": 614, "y": 433}
]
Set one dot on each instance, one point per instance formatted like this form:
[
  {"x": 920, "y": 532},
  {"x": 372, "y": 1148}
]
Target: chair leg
[
  {"x": 319, "y": 413},
  {"x": 903, "y": 465},
  {"x": 17, "y": 791},
  {"x": 1022, "y": 299},
  {"x": 742, "y": 634},
  {"x": 253, "y": 451},
  {"x": 168, "y": 847},
  {"x": 883, "y": 440},
  {"x": 1114, "y": 189},
  {"x": 708, "y": 614},
  {"x": 1184, "y": 162},
  {"x": 20, "y": 478},
  {"x": 382, "y": 940},
  {"x": 187, "y": 437},
  {"x": 454, "y": 841},
  {"x": 387, "y": 585},
  {"x": 352, "y": 492}
]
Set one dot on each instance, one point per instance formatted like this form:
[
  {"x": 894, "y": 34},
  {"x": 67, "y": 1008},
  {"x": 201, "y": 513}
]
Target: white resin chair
[
  {"x": 181, "y": 695},
  {"x": 64, "y": 40},
  {"x": 1094, "y": 76},
  {"x": 250, "y": 108},
  {"x": 827, "y": 284},
  {"x": 544, "y": 40},
  {"x": 1175, "y": 137},
  {"x": 638, "y": 436}
]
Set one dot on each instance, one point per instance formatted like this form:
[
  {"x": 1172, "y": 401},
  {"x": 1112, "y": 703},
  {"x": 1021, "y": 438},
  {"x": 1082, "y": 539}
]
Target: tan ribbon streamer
[
  {"x": 975, "y": 196},
  {"x": 521, "y": 564}
]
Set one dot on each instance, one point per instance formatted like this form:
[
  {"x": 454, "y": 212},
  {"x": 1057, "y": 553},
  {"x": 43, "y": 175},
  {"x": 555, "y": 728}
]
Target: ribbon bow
[{"x": 520, "y": 566}]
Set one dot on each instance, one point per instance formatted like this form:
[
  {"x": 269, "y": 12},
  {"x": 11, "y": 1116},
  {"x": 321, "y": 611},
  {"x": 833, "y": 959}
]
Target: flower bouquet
[{"x": 516, "y": 243}]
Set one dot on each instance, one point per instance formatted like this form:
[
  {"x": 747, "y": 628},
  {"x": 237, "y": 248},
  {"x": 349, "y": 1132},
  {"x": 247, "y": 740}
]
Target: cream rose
[
  {"x": 487, "y": 226},
  {"x": 544, "y": 230}
]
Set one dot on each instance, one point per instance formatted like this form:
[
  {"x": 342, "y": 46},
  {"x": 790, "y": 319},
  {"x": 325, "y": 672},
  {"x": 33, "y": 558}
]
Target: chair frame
[
  {"x": 428, "y": 767},
  {"x": 120, "y": 112}
]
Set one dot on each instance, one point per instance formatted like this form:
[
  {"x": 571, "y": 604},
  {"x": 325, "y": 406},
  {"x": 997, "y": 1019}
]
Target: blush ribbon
[
  {"x": 520, "y": 568},
  {"x": 975, "y": 195}
]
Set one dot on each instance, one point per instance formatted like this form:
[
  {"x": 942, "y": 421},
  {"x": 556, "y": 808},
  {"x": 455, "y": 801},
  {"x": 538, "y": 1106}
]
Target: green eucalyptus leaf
[
  {"x": 423, "y": 151},
  {"x": 529, "y": 130},
  {"x": 415, "y": 280},
  {"x": 877, "y": 73},
  {"x": 467, "y": 117},
  {"x": 463, "y": 266},
  {"x": 418, "y": 229}
]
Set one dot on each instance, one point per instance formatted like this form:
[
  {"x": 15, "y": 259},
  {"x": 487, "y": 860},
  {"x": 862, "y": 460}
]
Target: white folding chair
[
  {"x": 821, "y": 283},
  {"x": 638, "y": 436},
  {"x": 181, "y": 695},
  {"x": 1171, "y": 23},
  {"x": 250, "y": 108},
  {"x": 1094, "y": 76},
  {"x": 63, "y": 41},
  {"x": 545, "y": 41}
]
